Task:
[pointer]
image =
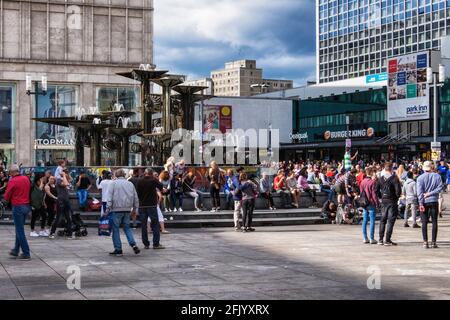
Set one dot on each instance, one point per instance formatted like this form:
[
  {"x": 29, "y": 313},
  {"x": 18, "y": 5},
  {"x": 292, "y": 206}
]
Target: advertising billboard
[
  {"x": 408, "y": 91},
  {"x": 60, "y": 102},
  {"x": 217, "y": 118}
]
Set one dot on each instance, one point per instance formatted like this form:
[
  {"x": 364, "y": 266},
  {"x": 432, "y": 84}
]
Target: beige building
[
  {"x": 79, "y": 45},
  {"x": 243, "y": 79},
  {"x": 205, "y": 82}
]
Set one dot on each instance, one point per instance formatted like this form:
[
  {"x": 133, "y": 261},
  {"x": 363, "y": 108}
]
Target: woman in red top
[{"x": 279, "y": 184}]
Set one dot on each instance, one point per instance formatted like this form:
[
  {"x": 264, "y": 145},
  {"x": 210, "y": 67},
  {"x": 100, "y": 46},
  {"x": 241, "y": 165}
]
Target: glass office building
[{"x": 356, "y": 37}]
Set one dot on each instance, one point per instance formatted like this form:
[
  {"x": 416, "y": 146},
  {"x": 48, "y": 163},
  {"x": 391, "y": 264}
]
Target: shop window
[
  {"x": 60, "y": 102},
  {"x": 54, "y": 142},
  {"x": 111, "y": 98},
  {"x": 7, "y": 98}
]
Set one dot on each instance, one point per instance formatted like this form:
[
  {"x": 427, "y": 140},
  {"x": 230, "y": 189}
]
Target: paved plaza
[{"x": 296, "y": 262}]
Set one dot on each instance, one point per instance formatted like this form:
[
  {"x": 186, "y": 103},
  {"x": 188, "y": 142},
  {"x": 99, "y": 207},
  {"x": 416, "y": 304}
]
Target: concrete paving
[{"x": 295, "y": 262}]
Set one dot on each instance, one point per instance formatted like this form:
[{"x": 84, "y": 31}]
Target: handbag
[
  {"x": 105, "y": 226},
  {"x": 362, "y": 201}
]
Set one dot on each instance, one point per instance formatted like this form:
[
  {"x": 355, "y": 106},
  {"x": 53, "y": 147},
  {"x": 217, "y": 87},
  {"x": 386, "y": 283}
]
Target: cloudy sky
[{"x": 193, "y": 37}]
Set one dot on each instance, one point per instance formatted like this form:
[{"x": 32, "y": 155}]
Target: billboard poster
[
  {"x": 408, "y": 91},
  {"x": 217, "y": 118},
  {"x": 59, "y": 102}
]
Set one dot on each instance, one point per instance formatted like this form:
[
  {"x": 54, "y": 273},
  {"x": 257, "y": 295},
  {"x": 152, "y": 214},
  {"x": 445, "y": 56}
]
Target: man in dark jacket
[
  {"x": 147, "y": 190},
  {"x": 389, "y": 191}
]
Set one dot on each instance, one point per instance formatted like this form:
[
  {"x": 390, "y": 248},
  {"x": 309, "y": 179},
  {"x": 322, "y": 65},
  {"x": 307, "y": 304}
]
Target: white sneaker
[
  {"x": 175, "y": 210},
  {"x": 213, "y": 210},
  {"x": 181, "y": 210},
  {"x": 43, "y": 234},
  {"x": 34, "y": 234},
  {"x": 198, "y": 210}
]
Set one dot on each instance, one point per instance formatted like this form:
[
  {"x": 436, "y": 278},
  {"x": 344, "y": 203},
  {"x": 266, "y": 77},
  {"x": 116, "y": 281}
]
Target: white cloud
[{"x": 196, "y": 36}]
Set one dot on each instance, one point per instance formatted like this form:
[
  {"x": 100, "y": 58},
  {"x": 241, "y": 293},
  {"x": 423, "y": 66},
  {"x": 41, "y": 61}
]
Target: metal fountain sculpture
[{"x": 160, "y": 115}]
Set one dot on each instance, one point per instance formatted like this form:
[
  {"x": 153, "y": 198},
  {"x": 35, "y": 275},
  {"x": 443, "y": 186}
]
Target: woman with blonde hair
[{"x": 216, "y": 180}]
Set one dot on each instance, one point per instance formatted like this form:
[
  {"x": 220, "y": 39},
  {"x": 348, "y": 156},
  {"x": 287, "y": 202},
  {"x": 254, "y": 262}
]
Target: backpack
[{"x": 387, "y": 189}]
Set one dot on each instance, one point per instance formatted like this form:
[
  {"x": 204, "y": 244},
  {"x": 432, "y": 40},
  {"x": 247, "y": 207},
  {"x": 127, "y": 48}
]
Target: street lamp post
[
  {"x": 432, "y": 78},
  {"x": 37, "y": 92}
]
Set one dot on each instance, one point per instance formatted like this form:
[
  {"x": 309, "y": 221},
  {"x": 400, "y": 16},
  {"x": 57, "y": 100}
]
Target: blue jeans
[
  {"x": 151, "y": 213},
  {"x": 82, "y": 197},
  {"x": 329, "y": 192},
  {"x": 119, "y": 218},
  {"x": 20, "y": 214},
  {"x": 369, "y": 212}
]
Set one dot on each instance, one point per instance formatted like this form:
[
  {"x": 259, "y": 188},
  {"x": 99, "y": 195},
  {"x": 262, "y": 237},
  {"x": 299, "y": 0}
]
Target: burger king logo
[
  {"x": 370, "y": 132},
  {"x": 327, "y": 135}
]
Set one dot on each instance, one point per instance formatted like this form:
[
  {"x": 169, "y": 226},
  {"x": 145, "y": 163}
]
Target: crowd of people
[{"x": 411, "y": 189}]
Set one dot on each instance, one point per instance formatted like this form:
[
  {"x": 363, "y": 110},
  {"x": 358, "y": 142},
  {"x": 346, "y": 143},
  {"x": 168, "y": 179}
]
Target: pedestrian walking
[
  {"x": 122, "y": 201},
  {"x": 64, "y": 209},
  {"x": 237, "y": 198},
  {"x": 38, "y": 209},
  {"x": 103, "y": 187},
  {"x": 249, "y": 193},
  {"x": 389, "y": 191},
  {"x": 18, "y": 193},
  {"x": 409, "y": 191},
  {"x": 429, "y": 186},
  {"x": 147, "y": 191},
  {"x": 51, "y": 199},
  {"x": 368, "y": 190}
]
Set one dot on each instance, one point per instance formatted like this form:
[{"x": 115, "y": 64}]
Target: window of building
[
  {"x": 7, "y": 101},
  {"x": 60, "y": 101},
  {"x": 111, "y": 98}
]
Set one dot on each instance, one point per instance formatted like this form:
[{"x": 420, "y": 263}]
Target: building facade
[
  {"x": 243, "y": 79},
  {"x": 205, "y": 82},
  {"x": 357, "y": 37},
  {"x": 79, "y": 46}
]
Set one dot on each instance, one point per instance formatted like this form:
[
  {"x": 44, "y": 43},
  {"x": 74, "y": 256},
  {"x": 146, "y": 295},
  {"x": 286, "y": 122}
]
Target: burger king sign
[{"x": 340, "y": 135}]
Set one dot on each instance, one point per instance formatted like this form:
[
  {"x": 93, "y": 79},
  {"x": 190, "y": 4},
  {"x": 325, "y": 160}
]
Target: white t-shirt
[{"x": 104, "y": 185}]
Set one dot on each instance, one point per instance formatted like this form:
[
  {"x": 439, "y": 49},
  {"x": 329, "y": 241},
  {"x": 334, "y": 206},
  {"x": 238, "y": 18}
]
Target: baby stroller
[
  {"x": 79, "y": 228},
  {"x": 349, "y": 213}
]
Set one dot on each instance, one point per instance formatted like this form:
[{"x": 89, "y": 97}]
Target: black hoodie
[{"x": 389, "y": 189}]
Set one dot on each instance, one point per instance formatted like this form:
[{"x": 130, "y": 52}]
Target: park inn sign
[{"x": 361, "y": 133}]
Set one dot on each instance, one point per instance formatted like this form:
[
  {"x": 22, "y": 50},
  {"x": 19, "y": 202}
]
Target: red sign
[{"x": 393, "y": 66}]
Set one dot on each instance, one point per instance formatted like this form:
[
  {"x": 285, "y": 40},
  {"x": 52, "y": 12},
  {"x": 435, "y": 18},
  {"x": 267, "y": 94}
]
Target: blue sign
[
  {"x": 376, "y": 77},
  {"x": 401, "y": 78},
  {"x": 422, "y": 61}
]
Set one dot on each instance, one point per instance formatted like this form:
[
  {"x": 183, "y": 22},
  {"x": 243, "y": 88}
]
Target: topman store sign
[{"x": 54, "y": 142}]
